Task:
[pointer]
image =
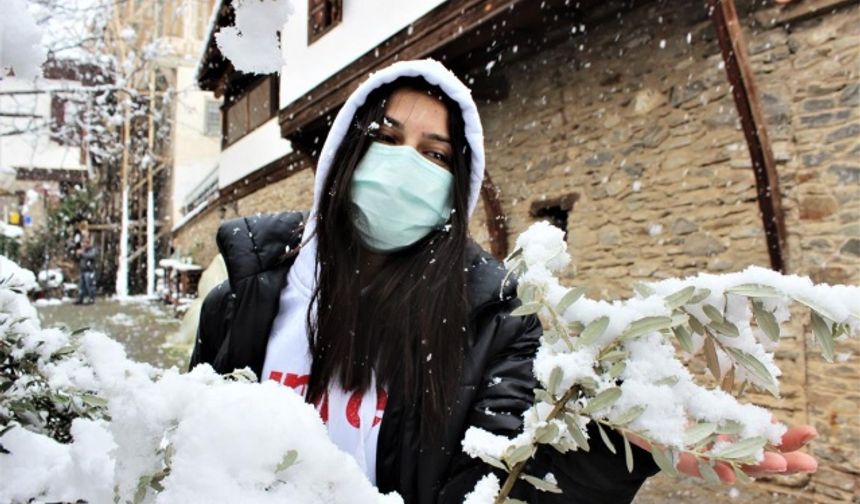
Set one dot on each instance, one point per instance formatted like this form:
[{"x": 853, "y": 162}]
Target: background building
[{"x": 618, "y": 123}]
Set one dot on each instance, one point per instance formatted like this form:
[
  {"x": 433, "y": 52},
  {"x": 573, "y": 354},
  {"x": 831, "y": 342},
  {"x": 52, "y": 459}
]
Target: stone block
[
  {"x": 817, "y": 207},
  {"x": 848, "y": 131},
  {"x": 848, "y": 174},
  {"x": 682, "y": 93},
  {"x": 702, "y": 245},
  {"x": 851, "y": 247}
]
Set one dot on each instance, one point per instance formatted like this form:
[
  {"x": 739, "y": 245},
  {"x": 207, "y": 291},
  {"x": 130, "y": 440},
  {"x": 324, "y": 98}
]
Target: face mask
[{"x": 398, "y": 197}]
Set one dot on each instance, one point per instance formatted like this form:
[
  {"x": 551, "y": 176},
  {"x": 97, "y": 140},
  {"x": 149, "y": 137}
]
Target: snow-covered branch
[{"x": 623, "y": 364}]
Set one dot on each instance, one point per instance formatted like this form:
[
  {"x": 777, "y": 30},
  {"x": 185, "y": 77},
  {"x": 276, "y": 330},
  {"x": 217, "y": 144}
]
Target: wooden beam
[
  {"x": 740, "y": 75},
  {"x": 496, "y": 218},
  {"x": 799, "y": 11}
]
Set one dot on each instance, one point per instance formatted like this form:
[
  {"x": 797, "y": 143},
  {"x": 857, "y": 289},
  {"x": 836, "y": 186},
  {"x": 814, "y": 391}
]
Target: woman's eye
[
  {"x": 438, "y": 157},
  {"x": 385, "y": 138}
]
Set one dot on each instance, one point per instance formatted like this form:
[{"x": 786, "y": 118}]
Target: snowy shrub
[
  {"x": 80, "y": 421},
  {"x": 623, "y": 364},
  {"x": 252, "y": 45}
]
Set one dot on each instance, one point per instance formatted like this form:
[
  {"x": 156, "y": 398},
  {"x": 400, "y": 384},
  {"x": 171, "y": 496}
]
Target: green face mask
[{"x": 398, "y": 197}]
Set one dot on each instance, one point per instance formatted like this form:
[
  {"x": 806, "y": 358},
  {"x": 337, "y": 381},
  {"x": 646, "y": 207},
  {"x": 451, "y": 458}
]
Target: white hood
[{"x": 433, "y": 72}]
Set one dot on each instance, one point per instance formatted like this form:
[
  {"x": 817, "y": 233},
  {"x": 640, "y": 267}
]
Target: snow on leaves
[{"x": 622, "y": 364}]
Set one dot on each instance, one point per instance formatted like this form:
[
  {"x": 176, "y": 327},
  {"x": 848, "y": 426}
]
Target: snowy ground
[{"x": 141, "y": 326}]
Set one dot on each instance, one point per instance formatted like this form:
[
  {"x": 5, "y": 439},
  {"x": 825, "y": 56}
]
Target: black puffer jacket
[{"x": 497, "y": 383}]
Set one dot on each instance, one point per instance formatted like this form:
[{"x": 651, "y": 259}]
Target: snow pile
[
  {"x": 253, "y": 44},
  {"x": 137, "y": 433},
  {"x": 623, "y": 364},
  {"x": 21, "y": 47}
]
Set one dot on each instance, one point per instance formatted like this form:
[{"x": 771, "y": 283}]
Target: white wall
[
  {"x": 195, "y": 154},
  {"x": 252, "y": 152},
  {"x": 365, "y": 25},
  {"x": 33, "y": 149}
]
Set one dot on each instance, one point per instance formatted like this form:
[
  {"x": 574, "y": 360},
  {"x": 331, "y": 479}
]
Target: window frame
[
  {"x": 238, "y": 95},
  {"x": 336, "y": 10}
]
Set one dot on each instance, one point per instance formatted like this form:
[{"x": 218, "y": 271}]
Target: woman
[{"x": 379, "y": 309}]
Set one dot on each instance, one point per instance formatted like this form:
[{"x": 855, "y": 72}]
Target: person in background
[{"x": 87, "y": 255}]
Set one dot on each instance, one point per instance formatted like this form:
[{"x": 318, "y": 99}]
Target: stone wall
[{"x": 635, "y": 117}]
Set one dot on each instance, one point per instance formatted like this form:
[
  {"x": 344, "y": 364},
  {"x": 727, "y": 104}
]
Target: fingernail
[{"x": 809, "y": 437}]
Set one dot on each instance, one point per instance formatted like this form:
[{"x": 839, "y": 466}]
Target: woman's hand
[{"x": 788, "y": 460}]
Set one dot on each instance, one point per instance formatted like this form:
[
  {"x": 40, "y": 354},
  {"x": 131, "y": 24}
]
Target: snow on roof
[{"x": 210, "y": 33}]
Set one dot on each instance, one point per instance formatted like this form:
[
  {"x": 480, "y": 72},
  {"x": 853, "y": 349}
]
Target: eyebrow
[{"x": 433, "y": 136}]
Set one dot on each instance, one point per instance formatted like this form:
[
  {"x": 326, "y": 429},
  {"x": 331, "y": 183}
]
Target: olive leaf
[
  {"x": 645, "y": 325},
  {"x": 570, "y": 297},
  {"x": 755, "y": 367},
  {"x": 593, "y": 330},
  {"x": 606, "y": 440},
  {"x": 823, "y": 335},
  {"x": 289, "y": 459},
  {"x": 642, "y": 289},
  {"x": 699, "y": 296},
  {"x": 546, "y": 433},
  {"x": 526, "y": 309},
  {"x": 664, "y": 461},
  {"x": 684, "y": 338},
  {"x": 602, "y": 400},
  {"x": 518, "y": 454},
  {"x": 708, "y": 472},
  {"x": 745, "y": 449},
  {"x": 541, "y": 484},
  {"x": 711, "y": 358},
  {"x": 698, "y": 432},
  {"x": 628, "y": 455},
  {"x": 755, "y": 291},
  {"x": 575, "y": 432},
  {"x": 631, "y": 414},
  {"x": 766, "y": 320},
  {"x": 680, "y": 298}
]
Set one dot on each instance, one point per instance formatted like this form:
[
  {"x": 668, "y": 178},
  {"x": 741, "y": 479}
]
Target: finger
[
  {"x": 796, "y": 437},
  {"x": 772, "y": 463},
  {"x": 725, "y": 472},
  {"x": 800, "y": 462}
]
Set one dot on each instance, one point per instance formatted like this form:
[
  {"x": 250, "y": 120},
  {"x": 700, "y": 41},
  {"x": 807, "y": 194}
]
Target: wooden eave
[{"x": 213, "y": 70}]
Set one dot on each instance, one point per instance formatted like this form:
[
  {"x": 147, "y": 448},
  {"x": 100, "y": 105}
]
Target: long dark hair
[{"x": 409, "y": 325}]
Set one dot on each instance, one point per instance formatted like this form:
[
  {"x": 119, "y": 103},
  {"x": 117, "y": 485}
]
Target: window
[
  {"x": 249, "y": 106},
  {"x": 65, "y": 129},
  {"x": 212, "y": 121},
  {"x": 554, "y": 210},
  {"x": 323, "y": 15}
]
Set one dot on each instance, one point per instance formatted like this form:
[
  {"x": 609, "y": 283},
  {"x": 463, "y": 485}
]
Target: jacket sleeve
[
  {"x": 213, "y": 326},
  {"x": 507, "y": 390}
]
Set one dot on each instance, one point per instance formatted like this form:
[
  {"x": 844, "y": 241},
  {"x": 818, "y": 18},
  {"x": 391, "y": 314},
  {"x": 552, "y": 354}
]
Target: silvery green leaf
[
  {"x": 576, "y": 432},
  {"x": 684, "y": 338},
  {"x": 587, "y": 383},
  {"x": 642, "y": 289},
  {"x": 744, "y": 449},
  {"x": 575, "y": 327},
  {"x": 493, "y": 461},
  {"x": 616, "y": 369},
  {"x": 289, "y": 459},
  {"x": 602, "y": 400},
  {"x": 679, "y": 298},
  {"x": 518, "y": 454},
  {"x": 94, "y": 400},
  {"x": 555, "y": 377},
  {"x": 628, "y": 455},
  {"x": 756, "y": 368},
  {"x": 708, "y": 472},
  {"x": 669, "y": 380},
  {"x": 730, "y": 427},
  {"x": 699, "y": 296},
  {"x": 696, "y": 326},
  {"x": 823, "y": 335},
  {"x": 645, "y": 325},
  {"x": 525, "y": 292},
  {"x": 542, "y": 395},
  {"x": 663, "y": 461},
  {"x": 511, "y": 500},
  {"x": 593, "y": 330},
  {"x": 725, "y": 328},
  {"x": 755, "y": 291},
  {"x": 631, "y": 414},
  {"x": 821, "y": 310},
  {"x": 526, "y": 309},
  {"x": 679, "y": 319},
  {"x": 711, "y": 358},
  {"x": 542, "y": 484},
  {"x": 741, "y": 475},
  {"x": 546, "y": 433},
  {"x": 605, "y": 439},
  {"x": 766, "y": 321},
  {"x": 713, "y": 313},
  {"x": 698, "y": 432},
  {"x": 551, "y": 336},
  {"x": 513, "y": 255},
  {"x": 615, "y": 355},
  {"x": 569, "y": 298}
]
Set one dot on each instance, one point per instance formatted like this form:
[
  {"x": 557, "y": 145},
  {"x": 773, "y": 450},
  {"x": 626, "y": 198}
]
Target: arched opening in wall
[{"x": 554, "y": 210}]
